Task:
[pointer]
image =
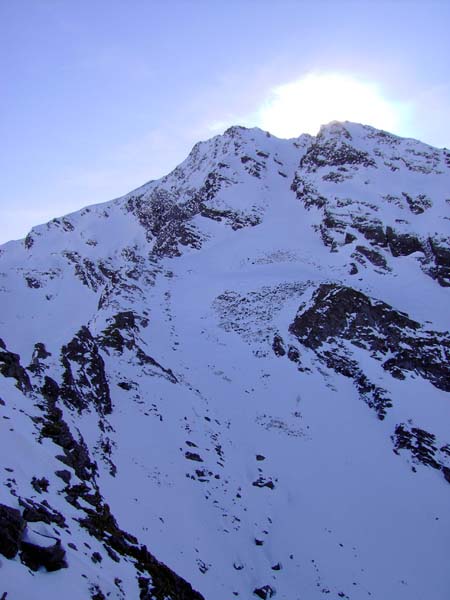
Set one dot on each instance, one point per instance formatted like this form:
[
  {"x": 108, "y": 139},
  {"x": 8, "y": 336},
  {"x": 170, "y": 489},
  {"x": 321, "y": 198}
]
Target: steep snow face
[{"x": 241, "y": 369}]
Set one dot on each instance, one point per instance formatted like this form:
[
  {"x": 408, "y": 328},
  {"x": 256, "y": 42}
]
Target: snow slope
[{"x": 243, "y": 367}]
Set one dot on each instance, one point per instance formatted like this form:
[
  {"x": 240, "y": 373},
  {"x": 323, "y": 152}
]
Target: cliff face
[{"x": 240, "y": 371}]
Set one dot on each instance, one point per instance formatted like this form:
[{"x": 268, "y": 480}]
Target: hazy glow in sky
[
  {"x": 99, "y": 97},
  {"x": 304, "y": 105}
]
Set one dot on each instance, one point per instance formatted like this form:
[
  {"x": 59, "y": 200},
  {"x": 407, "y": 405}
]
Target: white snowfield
[{"x": 250, "y": 360}]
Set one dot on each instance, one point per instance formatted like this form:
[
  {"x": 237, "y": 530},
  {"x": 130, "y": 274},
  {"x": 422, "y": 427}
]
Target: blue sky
[{"x": 99, "y": 96}]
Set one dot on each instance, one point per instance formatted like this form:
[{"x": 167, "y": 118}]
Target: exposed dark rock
[
  {"x": 65, "y": 475},
  {"x": 334, "y": 176},
  {"x": 372, "y": 229},
  {"x": 41, "y": 512},
  {"x": 343, "y": 312},
  {"x": 373, "y": 256},
  {"x": 10, "y": 367},
  {"x": 332, "y": 221},
  {"x": 441, "y": 252},
  {"x": 202, "y": 566},
  {"x": 340, "y": 312},
  {"x": 86, "y": 271},
  {"x": 278, "y": 345},
  {"x": 144, "y": 588},
  {"x": 40, "y": 351},
  {"x": 96, "y": 593},
  {"x": 253, "y": 166},
  {"x": 349, "y": 238},
  {"x": 29, "y": 241},
  {"x": 262, "y": 482},
  {"x": 50, "y": 557},
  {"x": 307, "y": 193},
  {"x": 40, "y": 485},
  {"x": 264, "y": 592},
  {"x": 115, "y": 335},
  {"x": 122, "y": 333},
  {"x": 84, "y": 378},
  {"x": 193, "y": 456},
  {"x": 419, "y": 204},
  {"x": 125, "y": 385},
  {"x": 333, "y": 153},
  {"x": 446, "y": 472},
  {"x": 54, "y": 427},
  {"x": 402, "y": 244},
  {"x": 88, "y": 492},
  {"x": 374, "y": 396},
  {"x": 96, "y": 557},
  {"x": 293, "y": 354},
  {"x": 167, "y": 222},
  {"x": 40, "y": 354},
  {"x": 327, "y": 237},
  {"x": 12, "y": 526},
  {"x": 236, "y": 220},
  {"x": 145, "y": 359},
  {"x": 163, "y": 582},
  {"x": 32, "y": 282},
  {"x": 420, "y": 443},
  {"x": 213, "y": 184}
]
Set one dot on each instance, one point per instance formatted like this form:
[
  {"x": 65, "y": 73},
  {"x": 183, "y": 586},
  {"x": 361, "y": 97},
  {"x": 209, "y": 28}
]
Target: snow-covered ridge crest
[{"x": 239, "y": 371}]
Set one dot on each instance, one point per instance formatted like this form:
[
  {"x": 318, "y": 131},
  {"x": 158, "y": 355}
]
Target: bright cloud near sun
[{"x": 304, "y": 105}]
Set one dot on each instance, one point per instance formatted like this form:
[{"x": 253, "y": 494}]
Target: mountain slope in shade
[{"x": 240, "y": 371}]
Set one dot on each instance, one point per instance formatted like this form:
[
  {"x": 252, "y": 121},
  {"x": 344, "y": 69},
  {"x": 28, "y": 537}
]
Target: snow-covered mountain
[{"x": 240, "y": 371}]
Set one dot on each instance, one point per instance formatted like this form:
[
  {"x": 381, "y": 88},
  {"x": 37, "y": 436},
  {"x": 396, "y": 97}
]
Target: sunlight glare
[{"x": 304, "y": 105}]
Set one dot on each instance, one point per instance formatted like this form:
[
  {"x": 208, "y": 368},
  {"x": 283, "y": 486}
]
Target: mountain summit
[{"x": 234, "y": 380}]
